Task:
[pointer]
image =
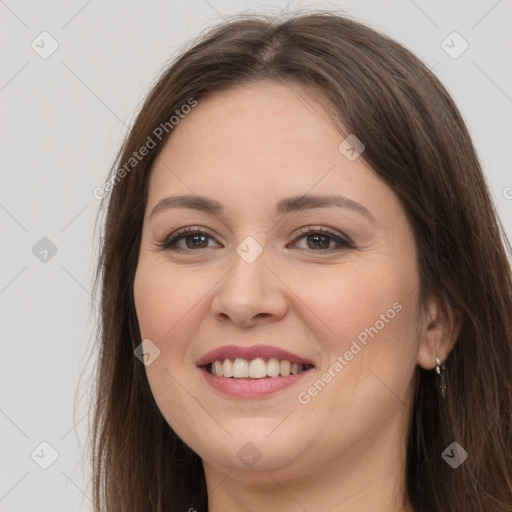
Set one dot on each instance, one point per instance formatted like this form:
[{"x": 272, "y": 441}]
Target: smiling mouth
[{"x": 258, "y": 368}]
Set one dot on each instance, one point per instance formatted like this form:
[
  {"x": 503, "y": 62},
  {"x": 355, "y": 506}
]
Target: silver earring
[{"x": 441, "y": 378}]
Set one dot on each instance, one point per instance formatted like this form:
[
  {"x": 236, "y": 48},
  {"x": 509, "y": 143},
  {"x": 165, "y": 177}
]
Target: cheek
[
  {"x": 367, "y": 316},
  {"x": 163, "y": 299},
  {"x": 150, "y": 301},
  {"x": 344, "y": 301}
]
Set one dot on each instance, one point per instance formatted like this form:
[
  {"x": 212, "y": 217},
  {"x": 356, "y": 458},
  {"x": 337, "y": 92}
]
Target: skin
[{"x": 344, "y": 450}]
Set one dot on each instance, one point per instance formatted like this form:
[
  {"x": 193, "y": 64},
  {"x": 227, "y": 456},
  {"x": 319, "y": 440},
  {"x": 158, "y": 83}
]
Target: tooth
[
  {"x": 273, "y": 368},
  {"x": 284, "y": 368},
  {"x": 227, "y": 368},
  {"x": 240, "y": 368},
  {"x": 218, "y": 369},
  {"x": 257, "y": 368}
]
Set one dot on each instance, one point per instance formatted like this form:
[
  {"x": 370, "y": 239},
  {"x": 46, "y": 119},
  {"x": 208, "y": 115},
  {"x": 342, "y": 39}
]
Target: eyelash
[{"x": 169, "y": 244}]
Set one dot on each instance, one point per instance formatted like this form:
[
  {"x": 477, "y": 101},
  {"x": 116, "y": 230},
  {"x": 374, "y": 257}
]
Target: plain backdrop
[{"x": 64, "y": 112}]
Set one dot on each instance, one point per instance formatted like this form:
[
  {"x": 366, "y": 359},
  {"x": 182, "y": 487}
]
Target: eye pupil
[
  {"x": 195, "y": 238},
  {"x": 316, "y": 238}
]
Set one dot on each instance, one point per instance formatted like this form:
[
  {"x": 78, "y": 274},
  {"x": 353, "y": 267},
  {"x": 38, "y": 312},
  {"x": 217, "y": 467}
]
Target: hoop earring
[{"x": 441, "y": 378}]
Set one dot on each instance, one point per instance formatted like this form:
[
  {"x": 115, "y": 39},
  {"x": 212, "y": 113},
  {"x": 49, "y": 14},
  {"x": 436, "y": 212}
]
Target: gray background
[{"x": 63, "y": 118}]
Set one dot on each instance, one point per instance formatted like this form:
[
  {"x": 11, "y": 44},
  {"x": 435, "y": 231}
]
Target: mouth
[
  {"x": 259, "y": 368},
  {"x": 252, "y": 372}
]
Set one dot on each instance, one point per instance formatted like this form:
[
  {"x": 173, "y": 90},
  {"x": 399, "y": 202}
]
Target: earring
[{"x": 441, "y": 378}]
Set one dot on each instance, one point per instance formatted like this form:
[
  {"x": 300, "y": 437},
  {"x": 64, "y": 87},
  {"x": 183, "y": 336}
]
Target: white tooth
[
  {"x": 284, "y": 368},
  {"x": 218, "y": 369},
  {"x": 257, "y": 368},
  {"x": 240, "y": 368},
  {"x": 212, "y": 367},
  {"x": 273, "y": 367},
  {"x": 294, "y": 368},
  {"x": 227, "y": 368}
]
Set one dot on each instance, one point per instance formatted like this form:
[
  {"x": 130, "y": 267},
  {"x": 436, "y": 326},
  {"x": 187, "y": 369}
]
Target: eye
[
  {"x": 318, "y": 240},
  {"x": 194, "y": 238}
]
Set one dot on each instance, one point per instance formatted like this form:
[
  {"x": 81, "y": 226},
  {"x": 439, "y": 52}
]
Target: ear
[{"x": 439, "y": 332}]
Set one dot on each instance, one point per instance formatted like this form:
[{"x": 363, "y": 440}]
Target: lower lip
[{"x": 254, "y": 388}]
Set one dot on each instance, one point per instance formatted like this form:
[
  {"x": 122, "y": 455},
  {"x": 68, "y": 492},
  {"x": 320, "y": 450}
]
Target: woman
[{"x": 306, "y": 299}]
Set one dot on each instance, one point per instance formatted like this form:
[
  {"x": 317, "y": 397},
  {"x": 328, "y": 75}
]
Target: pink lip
[
  {"x": 254, "y": 388},
  {"x": 250, "y": 388},
  {"x": 249, "y": 353}
]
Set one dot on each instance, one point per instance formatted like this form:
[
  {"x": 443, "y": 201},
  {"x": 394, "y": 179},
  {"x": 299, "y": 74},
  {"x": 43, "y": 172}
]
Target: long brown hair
[{"x": 416, "y": 141}]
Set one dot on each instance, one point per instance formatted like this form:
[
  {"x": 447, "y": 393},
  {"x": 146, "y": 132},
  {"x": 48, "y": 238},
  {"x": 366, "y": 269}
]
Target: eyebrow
[{"x": 283, "y": 207}]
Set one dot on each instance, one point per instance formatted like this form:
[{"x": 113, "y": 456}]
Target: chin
[{"x": 251, "y": 445}]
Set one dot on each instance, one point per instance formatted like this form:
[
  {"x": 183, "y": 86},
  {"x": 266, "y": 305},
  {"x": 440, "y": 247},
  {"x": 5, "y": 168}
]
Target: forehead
[
  {"x": 263, "y": 140},
  {"x": 263, "y": 115}
]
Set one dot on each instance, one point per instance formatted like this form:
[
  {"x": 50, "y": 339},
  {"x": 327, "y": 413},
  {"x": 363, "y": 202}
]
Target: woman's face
[{"x": 255, "y": 286}]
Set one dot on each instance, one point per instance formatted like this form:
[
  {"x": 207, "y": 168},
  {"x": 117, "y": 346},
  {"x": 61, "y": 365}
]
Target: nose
[{"x": 250, "y": 293}]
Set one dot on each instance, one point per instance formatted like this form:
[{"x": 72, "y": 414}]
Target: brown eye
[
  {"x": 317, "y": 240},
  {"x": 320, "y": 240},
  {"x": 193, "y": 239}
]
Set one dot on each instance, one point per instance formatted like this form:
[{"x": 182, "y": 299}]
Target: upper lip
[{"x": 250, "y": 353}]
